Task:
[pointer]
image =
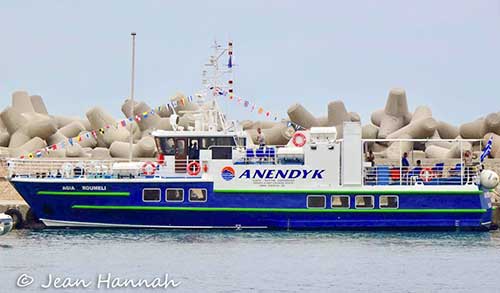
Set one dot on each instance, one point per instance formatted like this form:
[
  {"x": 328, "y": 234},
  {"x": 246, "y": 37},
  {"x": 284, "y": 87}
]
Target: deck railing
[
  {"x": 64, "y": 168},
  {"x": 460, "y": 165},
  {"x": 93, "y": 169}
]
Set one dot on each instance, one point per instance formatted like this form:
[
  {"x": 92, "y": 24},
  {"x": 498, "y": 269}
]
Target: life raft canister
[
  {"x": 149, "y": 168},
  {"x": 193, "y": 168},
  {"x": 299, "y": 139},
  {"x": 426, "y": 174},
  {"x": 160, "y": 159}
]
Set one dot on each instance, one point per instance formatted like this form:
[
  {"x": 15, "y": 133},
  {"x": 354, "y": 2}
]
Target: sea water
[{"x": 243, "y": 261}]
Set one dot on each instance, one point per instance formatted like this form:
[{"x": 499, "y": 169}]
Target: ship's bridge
[{"x": 184, "y": 146}]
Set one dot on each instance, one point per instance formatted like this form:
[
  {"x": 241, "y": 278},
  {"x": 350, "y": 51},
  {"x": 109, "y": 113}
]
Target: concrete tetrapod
[
  {"x": 395, "y": 114},
  {"x": 337, "y": 115},
  {"x": 300, "y": 116},
  {"x": 21, "y": 130},
  {"x": 99, "y": 119},
  {"x": 30, "y": 146},
  {"x": 495, "y": 147},
  {"x": 145, "y": 148},
  {"x": 422, "y": 125},
  {"x": 478, "y": 128}
]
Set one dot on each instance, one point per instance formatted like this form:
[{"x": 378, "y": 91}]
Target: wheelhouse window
[
  {"x": 365, "y": 202},
  {"x": 166, "y": 145},
  {"x": 181, "y": 146},
  {"x": 197, "y": 194},
  {"x": 207, "y": 142},
  {"x": 151, "y": 195},
  {"x": 389, "y": 202},
  {"x": 340, "y": 202},
  {"x": 175, "y": 194},
  {"x": 316, "y": 201}
]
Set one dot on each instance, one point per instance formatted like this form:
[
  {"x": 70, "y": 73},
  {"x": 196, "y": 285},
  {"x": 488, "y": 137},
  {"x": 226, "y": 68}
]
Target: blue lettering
[
  {"x": 282, "y": 174},
  {"x": 245, "y": 174},
  {"x": 306, "y": 172},
  {"x": 259, "y": 173},
  {"x": 294, "y": 174},
  {"x": 317, "y": 174},
  {"x": 270, "y": 174}
]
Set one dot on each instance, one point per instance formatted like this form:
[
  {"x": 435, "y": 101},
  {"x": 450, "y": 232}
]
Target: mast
[
  {"x": 212, "y": 74},
  {"x": 131, "y": 140}
]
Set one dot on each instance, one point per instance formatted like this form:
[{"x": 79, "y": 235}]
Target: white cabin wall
[{"x": 352, "y": 154}]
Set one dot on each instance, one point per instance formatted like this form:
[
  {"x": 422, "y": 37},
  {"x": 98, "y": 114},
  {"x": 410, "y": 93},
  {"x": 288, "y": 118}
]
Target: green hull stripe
[
  {"x": 84, "y": 193},
  {"x": 277, "y": 210},
  {"x": 344, "y": 192}
]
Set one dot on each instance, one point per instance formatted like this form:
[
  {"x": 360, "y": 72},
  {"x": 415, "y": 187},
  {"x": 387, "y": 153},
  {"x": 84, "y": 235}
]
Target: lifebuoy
[
  {"x": 426, "y": 174},
  {"x": 193, "y": 168},
  {"x": 149, "y": 168},
  {"x": 299, "y": 139}
]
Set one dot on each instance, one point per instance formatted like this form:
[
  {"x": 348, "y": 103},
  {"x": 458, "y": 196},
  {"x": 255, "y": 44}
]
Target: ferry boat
[{"x": 316, "y": 181}]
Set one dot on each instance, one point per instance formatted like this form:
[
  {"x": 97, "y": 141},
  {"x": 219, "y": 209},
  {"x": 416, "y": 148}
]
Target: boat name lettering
[
  {"x": 101, "y": 188},
  {"x": 68, "y": 188},
  {"x": 282, "y": 174}
]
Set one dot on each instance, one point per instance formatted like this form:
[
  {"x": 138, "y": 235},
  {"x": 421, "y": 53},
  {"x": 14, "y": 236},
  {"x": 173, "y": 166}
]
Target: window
[
  {"x": 364, "y": 202},
  {"x": 222, "y": 153},
  {"x": 181, "y": 147},
  {"x": 340, "y": 202},
  {"x": 197, "y": 194},
  {"x": 316, "y": 201},
  {"x": 389, "y": 202},
  {"x": 208, "y": 142},
  {"x": 151, "y": 194},
  {"x": 165, "y": 145},
  {"x": 175, "y": 194}
]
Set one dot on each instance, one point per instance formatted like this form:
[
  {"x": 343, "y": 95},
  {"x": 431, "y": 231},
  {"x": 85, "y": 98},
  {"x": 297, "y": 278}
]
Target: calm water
[{"x": 257, "y": 261}]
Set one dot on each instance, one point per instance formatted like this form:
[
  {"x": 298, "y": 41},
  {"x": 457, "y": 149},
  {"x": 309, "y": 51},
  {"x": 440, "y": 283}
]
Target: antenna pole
[{"x": 131, "y": 140}]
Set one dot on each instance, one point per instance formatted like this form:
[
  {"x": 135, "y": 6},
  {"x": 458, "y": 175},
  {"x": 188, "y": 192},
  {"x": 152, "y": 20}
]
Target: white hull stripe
[{"x": 57, "y": 223}]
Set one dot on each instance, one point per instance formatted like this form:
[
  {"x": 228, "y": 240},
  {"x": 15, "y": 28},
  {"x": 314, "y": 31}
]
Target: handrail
[{"x": 419, "y": 140}]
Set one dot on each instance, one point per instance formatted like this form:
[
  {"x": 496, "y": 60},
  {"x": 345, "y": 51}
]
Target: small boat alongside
[{"x": 6, "y": 224}]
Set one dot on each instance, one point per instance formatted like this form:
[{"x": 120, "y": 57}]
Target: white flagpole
[{"x": 131, "y": 141}]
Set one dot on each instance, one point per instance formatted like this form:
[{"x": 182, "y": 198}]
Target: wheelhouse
[{"x": 186, "y": 146}]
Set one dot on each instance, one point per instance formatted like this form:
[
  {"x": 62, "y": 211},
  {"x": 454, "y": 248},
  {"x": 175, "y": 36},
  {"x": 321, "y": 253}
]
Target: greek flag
[{"x": 487, "y": 149}]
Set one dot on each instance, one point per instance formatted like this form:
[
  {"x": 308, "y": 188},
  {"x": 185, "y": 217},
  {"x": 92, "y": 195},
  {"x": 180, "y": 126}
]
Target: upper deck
[{"x": 343, "y": 162}]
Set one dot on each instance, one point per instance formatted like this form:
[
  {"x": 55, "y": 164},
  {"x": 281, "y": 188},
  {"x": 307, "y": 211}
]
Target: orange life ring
[
  {"x": 426, "y": 174},
  {"x": 149, "y": 168},
  {"x": 193, "y": 168},
  {"x": 299, "y": 139}
]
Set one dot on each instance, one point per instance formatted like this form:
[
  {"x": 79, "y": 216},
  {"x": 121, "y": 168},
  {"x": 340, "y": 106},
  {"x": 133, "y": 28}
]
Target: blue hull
[{"x": 120, "y": 204}]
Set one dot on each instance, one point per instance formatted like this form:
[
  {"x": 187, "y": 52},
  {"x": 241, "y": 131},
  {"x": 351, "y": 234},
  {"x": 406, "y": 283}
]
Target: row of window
[
  {"x": 174, "y": 195},
  {"x": 360, "y": 201}
]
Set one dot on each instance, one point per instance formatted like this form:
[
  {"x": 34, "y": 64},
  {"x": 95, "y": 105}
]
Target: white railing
[
  {"x": 424, "y": 174},
  {"x": 94, "y": 169},
  {"x": 458, "y": 167},
  {"x": 65, "y": 168}
]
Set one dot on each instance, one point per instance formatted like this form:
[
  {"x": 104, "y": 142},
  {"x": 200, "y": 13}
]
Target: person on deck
[
  {"x": 418, "y": 168},
  {"x": 194, "y": 151},
  {"x": 404, "y": 161},
  {"x": 370, "y": 158}
]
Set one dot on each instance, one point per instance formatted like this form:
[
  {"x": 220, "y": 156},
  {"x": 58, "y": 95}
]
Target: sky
[{"x": 76, "y": 54}]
